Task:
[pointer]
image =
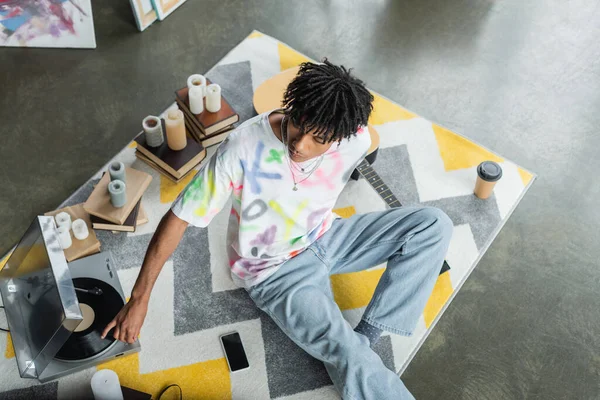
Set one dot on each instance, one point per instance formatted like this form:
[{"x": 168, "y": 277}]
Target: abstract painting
[
  {"x": 165, "y": 7},
  {"x": 47, "y": 23},
  {"x": 143, "y": 12}
]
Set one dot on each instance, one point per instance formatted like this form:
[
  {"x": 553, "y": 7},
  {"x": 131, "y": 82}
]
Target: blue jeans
[{"x": 413, "y": 241}]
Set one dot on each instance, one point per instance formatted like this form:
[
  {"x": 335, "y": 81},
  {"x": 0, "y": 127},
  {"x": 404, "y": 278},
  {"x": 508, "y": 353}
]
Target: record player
[{"x": 57, "y": 311}]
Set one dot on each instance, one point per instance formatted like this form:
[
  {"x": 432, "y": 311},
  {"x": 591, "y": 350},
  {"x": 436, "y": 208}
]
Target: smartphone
[{"x": 234, "y": 352}]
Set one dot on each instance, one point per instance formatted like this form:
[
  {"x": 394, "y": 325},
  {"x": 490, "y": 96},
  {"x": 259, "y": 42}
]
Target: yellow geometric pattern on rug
[
  {"x": 355, "y": 289},
  {"x": 440, "y": 295},
  {"x": 4, "y": 260},
  {"x": 386, "y": 111},
  {"x": 345, "y": 212},
  {"x": 288, "y": 57},
  {"x": 132, "y": 145},
  {"x": 255, "y": 35},
  {"x": 458, "y": 152},
  {"x": 169, "y": 190},
  {"x": 525, "y": 176},
  {"x": 203, "y": 380},
  {"x": 10, "y": 350}
]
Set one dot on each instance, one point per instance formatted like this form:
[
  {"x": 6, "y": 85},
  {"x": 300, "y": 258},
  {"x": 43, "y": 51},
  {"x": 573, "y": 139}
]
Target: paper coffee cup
[{"x": 488, "y": 173}]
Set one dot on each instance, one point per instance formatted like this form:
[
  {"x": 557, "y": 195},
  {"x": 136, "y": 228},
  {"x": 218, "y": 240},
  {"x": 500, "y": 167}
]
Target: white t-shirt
[{"x": 269, "y": 221}]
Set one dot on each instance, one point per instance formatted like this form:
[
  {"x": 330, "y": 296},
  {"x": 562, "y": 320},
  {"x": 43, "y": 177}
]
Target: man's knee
[{"x": 439, "y": 223}]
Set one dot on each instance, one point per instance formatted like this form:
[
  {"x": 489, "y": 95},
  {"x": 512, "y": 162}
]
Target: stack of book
[
  {"x": 175, "y": 165},
  {"x": 207, "y": 128},
  {"x": 104, "y": 216}
]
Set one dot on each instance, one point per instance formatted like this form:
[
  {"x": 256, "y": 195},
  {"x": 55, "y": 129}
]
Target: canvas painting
[
  {"x": 47, "y": 23},
  {"x": 165, "y": 7},
  {"x": 143, "y": 12}
]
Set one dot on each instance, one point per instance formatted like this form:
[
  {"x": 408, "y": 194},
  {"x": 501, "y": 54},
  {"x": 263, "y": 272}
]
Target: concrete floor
[{"x": 523, "y": 78}]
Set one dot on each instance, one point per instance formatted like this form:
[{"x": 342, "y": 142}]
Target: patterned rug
[{"x": 194, "y": 300}]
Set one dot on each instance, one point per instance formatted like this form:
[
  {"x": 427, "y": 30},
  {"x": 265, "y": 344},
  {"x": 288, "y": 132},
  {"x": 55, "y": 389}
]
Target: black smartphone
[{"x": 234, "y": 352}]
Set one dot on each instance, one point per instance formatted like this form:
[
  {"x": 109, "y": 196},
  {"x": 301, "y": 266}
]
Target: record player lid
[{"x": 36, "y": 276}]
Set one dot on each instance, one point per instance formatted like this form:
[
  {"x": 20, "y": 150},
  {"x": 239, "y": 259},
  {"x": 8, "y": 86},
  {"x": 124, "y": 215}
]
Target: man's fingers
[
  {"x": 110, "y": 325},
  {"x": 116, "y": 333}
]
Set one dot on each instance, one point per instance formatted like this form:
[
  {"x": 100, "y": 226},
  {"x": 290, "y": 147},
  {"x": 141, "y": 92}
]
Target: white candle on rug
[
  {"x": 213, "y": 98},
  {"x": 196, "y": 96},
  {"x": 197, "y": 80},
  {"x": 106, "y": 385}
]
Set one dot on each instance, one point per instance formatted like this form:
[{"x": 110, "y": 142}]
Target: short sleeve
[{"x": 208, "y": 191}]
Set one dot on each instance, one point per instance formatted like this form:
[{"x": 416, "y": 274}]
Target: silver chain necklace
[{"x": 292, "y": 165}]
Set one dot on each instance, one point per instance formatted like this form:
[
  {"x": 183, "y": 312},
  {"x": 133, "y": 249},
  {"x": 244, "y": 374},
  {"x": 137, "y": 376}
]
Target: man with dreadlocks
[{"x": 284, "y": 171}]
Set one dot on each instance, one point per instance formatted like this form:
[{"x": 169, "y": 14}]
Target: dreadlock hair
[{"x": 326, "y": 98}]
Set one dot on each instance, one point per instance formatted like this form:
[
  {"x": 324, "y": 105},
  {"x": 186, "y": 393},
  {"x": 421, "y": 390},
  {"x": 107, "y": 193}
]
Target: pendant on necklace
[
  {"x": 295, "y": 188},
  {"x": 302, "y": 169}
]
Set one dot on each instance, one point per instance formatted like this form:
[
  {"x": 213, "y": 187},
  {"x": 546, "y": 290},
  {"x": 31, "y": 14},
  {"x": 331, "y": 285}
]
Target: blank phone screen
[{"x": 234, "y": 350}]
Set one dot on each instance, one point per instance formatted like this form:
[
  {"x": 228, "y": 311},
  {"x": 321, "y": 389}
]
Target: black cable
[
  {"x": 2, "y": 329},
  {"x": 168, "y": 387}
]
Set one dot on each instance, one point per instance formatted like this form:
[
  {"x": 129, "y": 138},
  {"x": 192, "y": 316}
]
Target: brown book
[
  {"x": 79, "y": 248},
  {"x": 99, "y": 204},
  {"x": 128, "y": 226},
  {"x": 208, "y": 122},
  {"x": 152, "y": 164},
  {"x": 176, "y": 163},
  {"x": 217, "y": 138}
]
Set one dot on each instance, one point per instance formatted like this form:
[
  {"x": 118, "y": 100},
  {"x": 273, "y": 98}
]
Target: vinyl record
[{"x": 87, "y": 342}]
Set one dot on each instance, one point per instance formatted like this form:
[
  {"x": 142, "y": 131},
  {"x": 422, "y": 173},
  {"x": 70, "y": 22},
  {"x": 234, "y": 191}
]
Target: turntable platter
[{"x": 98, "y": 311}]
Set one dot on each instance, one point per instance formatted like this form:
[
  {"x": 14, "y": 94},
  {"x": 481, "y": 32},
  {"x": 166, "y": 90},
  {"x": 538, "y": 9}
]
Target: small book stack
[
  {"x": 104, "y": 216},
  {"x": 175, "y": 165},
  {"x": 207, "y": 128}
]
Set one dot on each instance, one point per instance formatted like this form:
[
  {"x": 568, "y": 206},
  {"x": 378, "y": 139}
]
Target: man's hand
[{"x": 128, "y": 322}]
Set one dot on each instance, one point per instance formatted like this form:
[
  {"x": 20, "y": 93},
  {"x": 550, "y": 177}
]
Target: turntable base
[{"x": 85, "y": 349}]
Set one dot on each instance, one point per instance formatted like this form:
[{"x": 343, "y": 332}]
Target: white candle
[
  {"x": 80, "y": 229},
  {"x": 106, "y": 386},
  {"x": 64, "y": 237},
  {"x": 63, "y": 219},
  {"x": 196, "y": 96},
  {"x": 213, "y": 98},
  {"x": 197, "y": 80},
  {"x": 154, "y": 132}
]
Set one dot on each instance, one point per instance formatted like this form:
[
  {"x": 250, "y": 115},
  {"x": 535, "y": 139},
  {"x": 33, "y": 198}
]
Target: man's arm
[{"x": 128, "y": 322}]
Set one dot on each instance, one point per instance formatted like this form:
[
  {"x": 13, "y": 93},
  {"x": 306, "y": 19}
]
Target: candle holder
[
  {"x": 153, "y": 130},
  {"x": 198, "y": 81},
  {"x": 117, "y": 171},
  {"x": 80, "y": 229},
  {"x": 118, "y": 193}
]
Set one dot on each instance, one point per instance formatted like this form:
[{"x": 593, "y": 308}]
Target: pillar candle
[
  {"x": 106, "y": 385},
  {"x": 197, "y": 80},
  {"x": 213, "y": 98},
  {"x": 196, "y": 96},
  {"x": 154, "y": 132},
  {"x": 118, "y": 193},
  {"x": 64, "y": 237},
  {"x": 80, "y": 229},
  {"x": 176, "y": 139},
  {"x": 117, "y": 171},
  {"x": 63, "y": 219}
]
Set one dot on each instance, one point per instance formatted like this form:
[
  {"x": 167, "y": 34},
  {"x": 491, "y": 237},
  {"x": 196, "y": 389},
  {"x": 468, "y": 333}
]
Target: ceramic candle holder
[
  {"x": 64, "y": 237},
  {"x": 153, "y": 131},
  {"x": 117, "y": 171},
  {"x": 80, "y": 229},
  {"x": 118, "y": 193}
]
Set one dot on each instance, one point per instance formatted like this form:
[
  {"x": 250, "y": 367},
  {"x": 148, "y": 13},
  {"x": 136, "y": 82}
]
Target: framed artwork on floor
[
  {"x": 47, "y": 23},
  {"x": 165, "y": 7},
  {"x": 143, "y": 12}
]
